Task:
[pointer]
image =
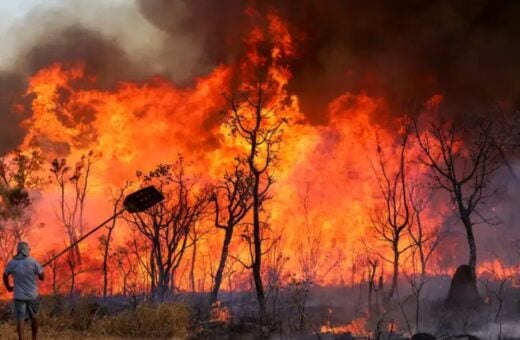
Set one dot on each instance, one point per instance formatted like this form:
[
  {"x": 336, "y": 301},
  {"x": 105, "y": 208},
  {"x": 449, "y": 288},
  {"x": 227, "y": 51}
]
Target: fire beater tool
[{"x": 135, "y": 202}]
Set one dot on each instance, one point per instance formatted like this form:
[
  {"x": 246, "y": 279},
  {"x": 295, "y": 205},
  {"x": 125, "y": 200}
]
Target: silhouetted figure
[{"x": 24, "y": 270}]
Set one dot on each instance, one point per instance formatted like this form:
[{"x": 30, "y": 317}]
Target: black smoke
[{"x": 402, "y": 50}]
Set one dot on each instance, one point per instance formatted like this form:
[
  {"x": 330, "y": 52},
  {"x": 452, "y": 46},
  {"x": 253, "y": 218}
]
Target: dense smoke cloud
[
  {"x": 114, "y": 41},
  {"x": 467, "y": 50}
]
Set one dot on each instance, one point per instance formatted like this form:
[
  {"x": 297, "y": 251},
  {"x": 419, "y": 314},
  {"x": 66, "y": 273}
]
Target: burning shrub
[
  {"x": 220, "y": 313},
  {"x": 165, "y": 320}
]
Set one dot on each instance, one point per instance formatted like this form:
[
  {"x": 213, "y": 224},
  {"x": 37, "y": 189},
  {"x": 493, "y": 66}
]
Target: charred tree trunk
[
  {"x": 72, "y": 266},
  {"x": 222, "y": 264},
  {"x": 472, "y": 249},
  {"x": 395, "y": 268},
  {"x": 257, "y": 262},
  {"x": 472, "y": 246},
  {"x": 192, "y": 265},
  {"x": 237, "y": 189},
  {"x": 106, "y": 241},
  {"x": 105, "y": 263},
  {"x": 370, "y": 292}
]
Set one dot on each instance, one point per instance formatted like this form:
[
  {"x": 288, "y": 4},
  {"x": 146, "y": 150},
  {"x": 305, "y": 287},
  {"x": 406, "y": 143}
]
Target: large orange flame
[{"x": 325, "y": 189}]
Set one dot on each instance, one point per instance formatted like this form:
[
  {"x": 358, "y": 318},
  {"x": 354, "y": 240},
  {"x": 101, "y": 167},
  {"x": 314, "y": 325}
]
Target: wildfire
[
  {"x": 357, "y": 327},
  {"x": 220, "y": 313},
  {"x": 325, "y": 192}
]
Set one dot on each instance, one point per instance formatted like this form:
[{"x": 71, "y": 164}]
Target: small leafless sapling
[
  {"x": 105, "y": 239},
  {"x": 71, "y": 205},
  {"x": 391, "y": 223}
]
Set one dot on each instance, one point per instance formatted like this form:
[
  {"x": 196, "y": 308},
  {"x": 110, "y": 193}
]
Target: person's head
[{"x": 23, "y": 248}]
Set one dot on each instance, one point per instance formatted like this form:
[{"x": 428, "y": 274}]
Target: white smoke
[{"x": 118, "y": 21}]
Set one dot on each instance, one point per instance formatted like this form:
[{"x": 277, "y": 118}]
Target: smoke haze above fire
[
  {"x": 403, "y": 50},
  {"x": 466, "y": 50},
  {"x": 113, "y": 39}
]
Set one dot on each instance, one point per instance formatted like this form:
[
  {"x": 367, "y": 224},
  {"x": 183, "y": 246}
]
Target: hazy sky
[
  {"x": 22, "y": 23},
  {"x": 10, "y": 13},
  {"x": 10, "y": 9}
]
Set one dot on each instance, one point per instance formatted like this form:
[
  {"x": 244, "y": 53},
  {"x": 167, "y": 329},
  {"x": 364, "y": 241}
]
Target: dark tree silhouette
[
  {"x": 425, "y": 240},
  {"x": 233, "y": 199},
  {"x": 461, "y": 160},
  {"x": 72, "y": 205},
  {"x": 392, "y": 222},
  {"x": 253, "y": 120},
  {"x": 106, "y": 239},
  {"x": 167, "y": 225}
]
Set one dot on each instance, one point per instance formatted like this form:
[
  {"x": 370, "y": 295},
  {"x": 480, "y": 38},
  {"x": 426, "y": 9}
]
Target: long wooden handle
[{"x": 84, "y": 237}]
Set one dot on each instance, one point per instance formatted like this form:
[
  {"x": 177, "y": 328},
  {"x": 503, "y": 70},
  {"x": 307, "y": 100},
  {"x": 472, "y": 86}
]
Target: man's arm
[
  {"x": 6, "y": 282},
  {"x": 39, "y": 270}
]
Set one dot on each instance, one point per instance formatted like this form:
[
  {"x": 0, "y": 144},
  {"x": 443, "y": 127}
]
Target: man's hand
[{"x": 6, "y": 283}]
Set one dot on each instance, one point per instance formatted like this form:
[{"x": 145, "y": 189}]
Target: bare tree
[
  {"x": 54, "y": 266},
  {"x": 105, "y": 239},
  {"x": 258, "y": 126},
  {"x": 125, "y": 264},
  {"x": 425, "y": 241},
  {"x": 310, "y": 247},
  {"x": 140, "y": 251},
  {"x": 392, "y": 222},
  {"x": 198, "y": 231},
  {"x": 232, "y": 199},
  {"x": 461, "y": 160},
  {"x": 167, "y": 225},
  {"x": 70, "y": 211},
  {"x": 372, "y": 264},
  {"x": 73, "y": 264}
]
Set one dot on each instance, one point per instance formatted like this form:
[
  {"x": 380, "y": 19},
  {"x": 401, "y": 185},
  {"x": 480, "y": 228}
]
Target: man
[{"x": 24, "y": 270}]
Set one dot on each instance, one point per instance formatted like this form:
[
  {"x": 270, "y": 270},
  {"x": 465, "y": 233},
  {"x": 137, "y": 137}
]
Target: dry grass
[
  {"x": 164, "y": 321},
  {"x": 8, "y": 332},
  {"x": 86, "y": 319}
]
